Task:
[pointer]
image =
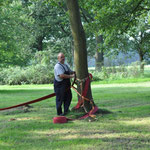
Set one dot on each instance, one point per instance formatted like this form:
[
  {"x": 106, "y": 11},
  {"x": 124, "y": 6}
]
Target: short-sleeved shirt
[{"x": 60, "y": 69}]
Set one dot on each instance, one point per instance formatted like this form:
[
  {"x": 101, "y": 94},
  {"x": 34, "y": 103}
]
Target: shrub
[
  {"x": 117, "y": 72},
  {"x": 37, "y": 74},
  {"x": 43, "y": 74}
]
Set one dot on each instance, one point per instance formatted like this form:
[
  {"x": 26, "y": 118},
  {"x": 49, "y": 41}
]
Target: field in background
[{"x": 126, "y": 127}]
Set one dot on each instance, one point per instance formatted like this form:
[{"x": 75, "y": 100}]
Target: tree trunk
[
  {"x": 99, "y": 56},
  {"x": 39, "y": 43},
  {"x": 141, "y": 61},
  {"x": 80, "y": 51}
]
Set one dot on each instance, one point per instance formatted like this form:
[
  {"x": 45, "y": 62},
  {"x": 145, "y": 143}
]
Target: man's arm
[{"x": 65, "y": 76}]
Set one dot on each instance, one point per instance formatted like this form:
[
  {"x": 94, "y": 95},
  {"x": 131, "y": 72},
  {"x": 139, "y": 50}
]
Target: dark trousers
[{"x": 63, "y": 96}]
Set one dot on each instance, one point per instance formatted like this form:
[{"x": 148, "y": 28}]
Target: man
[{"x": 62, "y": 85}]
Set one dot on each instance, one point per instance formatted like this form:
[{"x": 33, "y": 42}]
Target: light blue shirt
[{"x": 58, "y": 70}]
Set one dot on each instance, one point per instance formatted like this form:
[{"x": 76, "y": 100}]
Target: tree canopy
[
  {"x": 29, "y": 26},
  {"x": 15, "y": 33}
]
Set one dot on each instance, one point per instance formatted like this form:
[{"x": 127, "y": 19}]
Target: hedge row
[
  {"x": 43, "y": 74},
  {"x": 38, "y": 74}
]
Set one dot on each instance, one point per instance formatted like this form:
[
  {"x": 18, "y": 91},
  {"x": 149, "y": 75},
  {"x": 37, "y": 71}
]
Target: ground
[{"x": 126, "y": 126}]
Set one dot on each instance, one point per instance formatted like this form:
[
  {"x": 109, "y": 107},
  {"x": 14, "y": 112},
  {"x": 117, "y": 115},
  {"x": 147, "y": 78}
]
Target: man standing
[{"x": 62, "y": 85}]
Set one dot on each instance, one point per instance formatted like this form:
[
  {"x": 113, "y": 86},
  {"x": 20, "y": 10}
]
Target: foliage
[
  {"x": 114, "y": 19},
  {"x": 140, "y": 37},
  {"x": 15, "y": 34},
  {"x": 47, "y": 58},
  {"x": 28, "y": 26},
  {"x": 117, "y": 72},
  {"x": 113, "y": 16},
  {"x": 50, "y": 22},
  {"x": 33, "y": 26},
  {"x": 40, "y": 73},
  {"x": 50, "y": 28},
  {"x": 35, "y": 74}
]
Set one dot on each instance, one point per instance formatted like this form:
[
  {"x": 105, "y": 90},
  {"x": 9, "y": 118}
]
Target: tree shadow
[{"x": 103, "y": 111}]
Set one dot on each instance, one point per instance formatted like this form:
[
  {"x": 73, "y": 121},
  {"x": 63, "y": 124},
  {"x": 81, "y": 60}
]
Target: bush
[
  {"x": 44, "y": 74},
  {"x": 37, "y": 74},
  {"x": 117, "y": 72}
]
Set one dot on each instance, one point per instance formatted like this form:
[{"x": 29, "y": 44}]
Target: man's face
[{"x": 61, "y": 58}]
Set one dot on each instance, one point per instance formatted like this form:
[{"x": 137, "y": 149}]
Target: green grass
[
  {"x": 127, "y": 127},
  {"x": 124, "y": 80}
]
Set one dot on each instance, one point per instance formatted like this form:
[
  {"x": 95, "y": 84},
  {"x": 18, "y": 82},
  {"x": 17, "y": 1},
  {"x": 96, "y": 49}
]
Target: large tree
[{"x": 80, "y": 50}]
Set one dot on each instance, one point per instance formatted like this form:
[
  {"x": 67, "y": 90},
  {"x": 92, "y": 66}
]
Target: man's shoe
[
  {"x": 61, "y": 115},
  {"x": 65, "y": 113}
]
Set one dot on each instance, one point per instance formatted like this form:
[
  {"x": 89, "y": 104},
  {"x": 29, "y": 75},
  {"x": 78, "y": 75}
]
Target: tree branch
[
  {"x": 84, "y": 16},
  {"x": 62, "y": 28},
  {"x": 136, "y": 7},
  {"x": 133, "y": 12},
  {"x": 147, "y": 9}
]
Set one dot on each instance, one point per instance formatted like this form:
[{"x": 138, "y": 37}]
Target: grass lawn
[{"x": 126, "y": 128}]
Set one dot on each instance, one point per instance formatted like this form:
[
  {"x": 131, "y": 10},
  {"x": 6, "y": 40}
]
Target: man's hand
[{"x": 72, "y": 75}]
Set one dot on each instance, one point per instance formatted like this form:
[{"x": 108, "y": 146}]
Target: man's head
[{"x": 61, "y": 58}]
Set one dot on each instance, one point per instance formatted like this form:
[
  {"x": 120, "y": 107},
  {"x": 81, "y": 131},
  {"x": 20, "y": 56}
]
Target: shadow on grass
[
  {"x": 103, "y": 111},
  {"x": 78, "y": 113}
]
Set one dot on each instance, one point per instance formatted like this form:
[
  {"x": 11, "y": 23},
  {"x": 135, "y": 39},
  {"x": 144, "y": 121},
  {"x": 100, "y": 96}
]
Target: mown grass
[
  {"x": 125, "y": 80},
  {"x": 126, "y": 127}
]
